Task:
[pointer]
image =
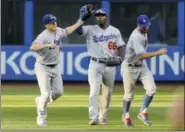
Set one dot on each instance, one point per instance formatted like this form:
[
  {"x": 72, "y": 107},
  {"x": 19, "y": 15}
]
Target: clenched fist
[{"x": 162, "y": 51}]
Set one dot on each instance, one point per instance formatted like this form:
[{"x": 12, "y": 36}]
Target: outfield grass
[{"x": 70, "y": 112}]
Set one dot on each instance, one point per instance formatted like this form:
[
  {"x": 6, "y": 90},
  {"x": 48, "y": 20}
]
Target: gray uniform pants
[
  {"x": 100, "y": 75},
  {"x": 131, "y": 75},
  {"x": 50, "y": 83}
]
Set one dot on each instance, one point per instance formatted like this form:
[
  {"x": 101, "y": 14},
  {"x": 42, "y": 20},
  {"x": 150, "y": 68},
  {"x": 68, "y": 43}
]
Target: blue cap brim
[
  {"x": 100, "y": 12},
  {"x": 50, "y": 22},
  {"x": 145, "y": 25}
]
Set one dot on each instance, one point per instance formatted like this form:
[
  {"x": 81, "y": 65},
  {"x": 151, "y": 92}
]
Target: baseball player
[
  {"x": 104, "y": 44},
  {"x": 134, "y": 68},
  {"x": 48, "y": 45}
]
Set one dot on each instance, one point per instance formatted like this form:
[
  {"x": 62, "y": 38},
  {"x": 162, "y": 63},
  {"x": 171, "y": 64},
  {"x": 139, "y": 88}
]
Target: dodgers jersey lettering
[
  {"x": 48, "y": 56},
  {"x": 137, "y": 45},
  {"x": 102, "y": 42}
]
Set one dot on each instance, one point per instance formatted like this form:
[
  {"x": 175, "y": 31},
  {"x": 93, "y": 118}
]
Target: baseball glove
[
  {"x": 113, "y": 61},
  {"x": 86, "y": 12}
]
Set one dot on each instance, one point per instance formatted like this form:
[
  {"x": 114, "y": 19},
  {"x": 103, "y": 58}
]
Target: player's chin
[
  {"x": 54, "y": 28},
  {"x": 102, "y": 23},
  {"x": 144, "y": 30}
]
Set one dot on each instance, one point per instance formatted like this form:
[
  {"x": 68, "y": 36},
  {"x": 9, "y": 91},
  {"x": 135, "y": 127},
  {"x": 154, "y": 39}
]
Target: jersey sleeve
[
  {"x": 39, "y": 39},
  {"x": 86, "y": 30},
  {"x": 119, "y": 40},
  {"x": 138, "y": 45},
  {"x": 62, "y": 33},
  {"x": 79, "y": 30}
]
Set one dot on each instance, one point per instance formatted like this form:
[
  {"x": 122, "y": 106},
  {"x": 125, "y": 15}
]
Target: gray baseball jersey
[
  {"x": 102, "y": 43},
  {"x": 137, "y": 45},
  {"x": 48, "y": 56}
]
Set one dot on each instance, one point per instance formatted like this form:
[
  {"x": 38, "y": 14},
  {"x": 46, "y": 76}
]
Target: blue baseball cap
[
  {"x": 143, "y": 21},
  {"x": 101, "y": 12},
  {"x": 49, "y": 18}
]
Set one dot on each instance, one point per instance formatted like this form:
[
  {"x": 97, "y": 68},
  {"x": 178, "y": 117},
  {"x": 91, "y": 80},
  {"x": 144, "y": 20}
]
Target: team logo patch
[{"x": 57, "y": 42}]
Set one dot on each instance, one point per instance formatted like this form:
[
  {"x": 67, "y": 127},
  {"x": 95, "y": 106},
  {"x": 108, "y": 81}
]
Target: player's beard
[
  {"x": 144, "y": 30},
  {"x": 102, "y": 24}
]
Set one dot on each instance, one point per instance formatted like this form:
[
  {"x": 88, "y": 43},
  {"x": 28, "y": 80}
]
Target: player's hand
[
  {"x": 51, "y": 46},
  {"x": 162, "y": 51}
]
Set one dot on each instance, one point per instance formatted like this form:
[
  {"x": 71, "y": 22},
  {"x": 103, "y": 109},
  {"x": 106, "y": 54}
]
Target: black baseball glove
[
  {"x": 112, "y": 61},
  {"x": 86, "y": 12}
]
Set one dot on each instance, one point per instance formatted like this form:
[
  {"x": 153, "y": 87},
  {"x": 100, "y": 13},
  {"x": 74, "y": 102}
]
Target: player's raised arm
[
  {"x": 72, "y": 28},
  {"x": 85, "y": 13}
]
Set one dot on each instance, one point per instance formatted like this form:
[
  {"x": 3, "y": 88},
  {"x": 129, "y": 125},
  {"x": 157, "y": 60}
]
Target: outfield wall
[{"x": 17, "y": 63}]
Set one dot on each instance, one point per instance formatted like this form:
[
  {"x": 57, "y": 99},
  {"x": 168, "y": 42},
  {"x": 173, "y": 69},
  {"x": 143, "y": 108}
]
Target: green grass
[{"x": 70, "y": 112}]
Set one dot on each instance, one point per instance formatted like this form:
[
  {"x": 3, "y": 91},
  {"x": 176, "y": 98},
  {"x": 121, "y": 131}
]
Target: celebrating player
[
  {"x": 105, "y": 45},
  {"x": 134, "y": 68},
  {"x": 47, "y": 67}
]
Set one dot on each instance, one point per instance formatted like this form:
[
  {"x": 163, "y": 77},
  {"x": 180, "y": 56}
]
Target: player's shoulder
[
  {"x": 89, "y": 26},
  {"x": 136, "y": 34},
  {"x": 59, "y": 29},
  {"x": 113, "y": 28},
  {"x": 43, "y": 33},
  {"x": 94, "y": 27}
]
